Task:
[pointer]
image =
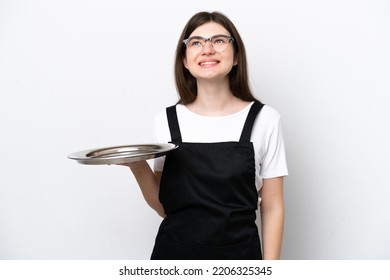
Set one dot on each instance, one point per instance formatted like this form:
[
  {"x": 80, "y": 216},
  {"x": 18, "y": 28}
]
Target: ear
[
  {"x": 235, "y": 61},
  {"x": 185, "y": 62}
]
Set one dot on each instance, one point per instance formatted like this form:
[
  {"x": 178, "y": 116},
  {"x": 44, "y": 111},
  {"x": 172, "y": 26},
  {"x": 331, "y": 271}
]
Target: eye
[
  {"x": 195, "y": 42},
  {"x": 220, "y": 40}
]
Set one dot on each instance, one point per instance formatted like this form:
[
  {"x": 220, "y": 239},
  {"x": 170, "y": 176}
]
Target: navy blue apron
[{"x": 209, "y": 195}]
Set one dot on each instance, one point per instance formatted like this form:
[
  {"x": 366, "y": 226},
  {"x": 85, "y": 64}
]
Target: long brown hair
[{"x": 238, "y": 77}]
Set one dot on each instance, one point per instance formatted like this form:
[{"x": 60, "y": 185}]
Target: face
[{"x": 207, "y": 63}]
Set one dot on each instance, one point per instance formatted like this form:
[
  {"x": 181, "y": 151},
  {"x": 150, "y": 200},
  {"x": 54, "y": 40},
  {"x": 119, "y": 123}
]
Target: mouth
[{"x": 208, "y": 63}]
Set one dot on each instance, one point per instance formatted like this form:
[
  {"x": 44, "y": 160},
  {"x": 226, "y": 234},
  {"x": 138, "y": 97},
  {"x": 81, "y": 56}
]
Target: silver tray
[{"x": 122, "y": 154}]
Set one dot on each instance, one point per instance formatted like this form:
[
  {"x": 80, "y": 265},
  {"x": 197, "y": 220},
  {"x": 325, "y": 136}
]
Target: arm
[
  {"x": 272, "y": 217},
  {"x": 149, "y": 183}
]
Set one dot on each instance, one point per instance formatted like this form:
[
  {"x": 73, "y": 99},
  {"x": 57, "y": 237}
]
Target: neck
[{"x": 215, "y": 99}]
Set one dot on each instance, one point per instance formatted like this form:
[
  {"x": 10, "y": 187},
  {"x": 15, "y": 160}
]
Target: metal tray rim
[{"x": 146, "y": 151}]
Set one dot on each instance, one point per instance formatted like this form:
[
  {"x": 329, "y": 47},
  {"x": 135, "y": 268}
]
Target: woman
[{"x": 230, "y": 156}]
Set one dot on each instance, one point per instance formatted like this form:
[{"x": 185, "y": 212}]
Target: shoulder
[
  {"x": 268, "y": 122},
  {"x": 268, "y": 116},
  {"x": 270, "y": 112},
  {"x": 160, "y": 127}
]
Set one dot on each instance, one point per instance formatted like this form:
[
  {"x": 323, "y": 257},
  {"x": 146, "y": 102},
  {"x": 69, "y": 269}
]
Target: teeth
[{"x": 208, "y": 62}]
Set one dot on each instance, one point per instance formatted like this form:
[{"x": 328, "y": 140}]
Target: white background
[{"x": 81, "y": 74}]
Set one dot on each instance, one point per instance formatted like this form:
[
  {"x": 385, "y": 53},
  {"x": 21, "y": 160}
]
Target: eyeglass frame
[{"x": 230, "y": 39}]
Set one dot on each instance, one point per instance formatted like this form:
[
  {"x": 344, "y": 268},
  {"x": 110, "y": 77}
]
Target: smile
[{"x": 206, "y": 63}]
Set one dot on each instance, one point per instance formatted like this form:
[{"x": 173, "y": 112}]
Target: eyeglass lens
[{"x": 219, "y": 42}]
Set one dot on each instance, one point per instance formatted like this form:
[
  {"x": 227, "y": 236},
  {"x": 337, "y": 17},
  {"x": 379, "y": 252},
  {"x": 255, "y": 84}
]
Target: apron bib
[{"x": 210, "y": 199}]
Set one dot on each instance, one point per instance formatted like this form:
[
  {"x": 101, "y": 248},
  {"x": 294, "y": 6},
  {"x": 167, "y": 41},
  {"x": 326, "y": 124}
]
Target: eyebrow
[{"x": 199, "y": 36}]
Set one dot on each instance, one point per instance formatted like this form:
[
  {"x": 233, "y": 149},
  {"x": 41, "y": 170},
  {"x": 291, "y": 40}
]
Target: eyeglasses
[{"x": 219, "y": 42}]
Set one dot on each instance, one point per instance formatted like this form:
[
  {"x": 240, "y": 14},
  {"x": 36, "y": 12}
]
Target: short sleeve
[
  {"x": 273, "y": 160},
  {"x": 160, "y": 135}
]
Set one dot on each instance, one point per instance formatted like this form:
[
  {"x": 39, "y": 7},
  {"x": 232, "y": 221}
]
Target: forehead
[{"x": 209, "y": 29}]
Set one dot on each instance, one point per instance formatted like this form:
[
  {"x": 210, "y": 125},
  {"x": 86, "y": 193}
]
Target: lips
[{"x": 208, "y": 62}]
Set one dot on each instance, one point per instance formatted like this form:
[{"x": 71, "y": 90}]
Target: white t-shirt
[{"x": 266, "y": 136}]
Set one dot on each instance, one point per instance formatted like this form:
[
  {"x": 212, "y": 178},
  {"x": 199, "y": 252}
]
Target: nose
[{"x": 208, "y": 47}]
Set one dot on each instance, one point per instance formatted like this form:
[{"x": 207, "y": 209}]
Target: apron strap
[
  {"x": 173, "y": 124},
  {"x": 250, "y": 120},
  {"x": 246, "y": 132}
]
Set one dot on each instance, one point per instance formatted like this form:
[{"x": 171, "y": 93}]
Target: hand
[{"x": 134, "y": 165}]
